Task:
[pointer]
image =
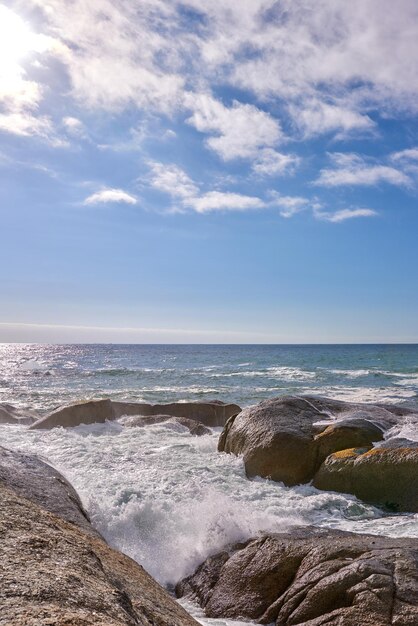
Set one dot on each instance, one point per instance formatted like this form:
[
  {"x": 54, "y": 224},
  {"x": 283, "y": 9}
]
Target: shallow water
[{"x": 168, "y": 499}]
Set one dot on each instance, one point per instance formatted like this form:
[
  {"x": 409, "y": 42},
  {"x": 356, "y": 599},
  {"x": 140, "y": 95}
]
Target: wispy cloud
[
  {"x": 343, "y": 214},
  {"x": 110, "y": 196},
  {"x": 290, "y": 205},
  {"x": 270, "y": 162},
  {"x": 352, "y": 169}
]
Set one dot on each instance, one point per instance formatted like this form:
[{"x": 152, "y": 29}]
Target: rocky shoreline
[{"x": 58, "y": 570}]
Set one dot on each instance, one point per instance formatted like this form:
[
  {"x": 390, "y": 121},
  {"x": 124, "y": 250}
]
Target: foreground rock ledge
[
  {"x": 59, "y": 573},
  {"x": 311, "y": 577}
]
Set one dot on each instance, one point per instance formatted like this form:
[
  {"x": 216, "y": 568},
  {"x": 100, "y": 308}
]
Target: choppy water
[{"x": 169, "y": 499}]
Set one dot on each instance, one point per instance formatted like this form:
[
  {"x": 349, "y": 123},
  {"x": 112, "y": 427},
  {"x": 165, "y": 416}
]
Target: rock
[
  {"x": 89, "y": 412},
  {"x": 195, "y": 428},
  {"x": 350, "y": 433},
  {"x": 311, "y": 577},
  {"x": 40, "y": 483},
  {"x": 384, "y": 476},
  {"x": 10, "y": 414},
  {"x": 281, "y": 438},
  {"x": 210, "y": 414},
  {"x": 55, "y": 573}
]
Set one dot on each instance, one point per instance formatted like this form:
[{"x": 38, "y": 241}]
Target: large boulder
[
  {"x": 96, "y": 411},
  {"x": 53, "y": 572},
  {"x": 386, "y": 476},
  {"x": 210, "y": 414},
  {"x": 89, "y": 412},
  {"x": 10, "y": 414},
  {"x": 196, "y": 428},
  {"x": 287, "y": 438},
  {"x": 311, "y": 577}
]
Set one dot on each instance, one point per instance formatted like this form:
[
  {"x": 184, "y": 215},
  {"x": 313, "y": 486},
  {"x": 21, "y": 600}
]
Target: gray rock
[
  {"x": 281, "y": 439},
  {"x": 311, "y": 577},
  {"x": 58, "y": 573}
]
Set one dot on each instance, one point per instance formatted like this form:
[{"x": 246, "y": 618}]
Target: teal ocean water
[
  {"x": 46, "y": 375},
  {"x": 168, "y": 499}
]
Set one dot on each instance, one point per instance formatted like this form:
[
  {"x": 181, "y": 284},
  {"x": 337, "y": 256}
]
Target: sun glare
[{"x": 16, "y": 38}]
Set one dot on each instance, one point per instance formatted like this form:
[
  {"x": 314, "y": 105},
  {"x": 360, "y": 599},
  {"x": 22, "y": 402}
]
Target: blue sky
[{"x": 209, "y": 171}]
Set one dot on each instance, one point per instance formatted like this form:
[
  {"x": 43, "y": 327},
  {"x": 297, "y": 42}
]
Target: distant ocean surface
[
  {"x": 43, "y": 376},
  {"x": 168, "y": 499}
]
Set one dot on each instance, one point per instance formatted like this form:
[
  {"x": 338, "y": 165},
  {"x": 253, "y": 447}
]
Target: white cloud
[
  {"x": 410, "y": 154},
  {"x": 269, "y": 162},
  {"x": 352, "y": 169},
  {"x": 224, "y": 201},
  {"x": 240, "y": 130},
  {"x": 343, "y": 214},
  {"x": 327, "y": 65},
  {"x": 74, "y": 126},
  {"x": 106, "y": 196},
  {"x": 289, "y": 205},
  {"x": 317, "y": 117},
  {"x": 172, "y": 180}
]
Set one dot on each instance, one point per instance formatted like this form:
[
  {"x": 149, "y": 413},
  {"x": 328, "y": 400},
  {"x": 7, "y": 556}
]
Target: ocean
[{"x": 168, "y": 499}]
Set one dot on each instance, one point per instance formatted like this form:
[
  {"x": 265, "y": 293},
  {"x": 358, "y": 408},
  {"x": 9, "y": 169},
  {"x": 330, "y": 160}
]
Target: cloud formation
[
  {"x": 353, "y": 169},
  {"x": 110, "y": 196}
]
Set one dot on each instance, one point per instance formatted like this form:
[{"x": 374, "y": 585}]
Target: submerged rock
[
  {"x": 195, "y": 428},
  {"x": 311, "y": 577},
  {"x": 59, "y": 573},
  {"x": 384, "y": 476},
  {"x": 287, "y": 438},
  {"x": 90, "y": 412},
  {"x": 10, "y": 414},
  {"x": 211, "y": 414}
]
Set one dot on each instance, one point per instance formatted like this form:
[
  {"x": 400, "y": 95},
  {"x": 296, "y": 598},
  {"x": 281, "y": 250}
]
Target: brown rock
[
  {"x": 311, "y": 577},
  {"x": 90, "y": 412},
  {"x": 387, "y": 477},
  {"x": 280, "y": 438}
]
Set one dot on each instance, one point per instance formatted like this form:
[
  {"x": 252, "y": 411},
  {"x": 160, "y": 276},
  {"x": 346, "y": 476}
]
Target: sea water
[{"x": 166, "y": 498}]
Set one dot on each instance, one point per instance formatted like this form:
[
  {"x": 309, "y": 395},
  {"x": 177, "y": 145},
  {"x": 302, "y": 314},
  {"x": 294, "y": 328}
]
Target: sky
[{"x": 209, "y": 172}]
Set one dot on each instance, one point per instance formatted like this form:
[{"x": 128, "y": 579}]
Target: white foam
[{"x": 169, "y": 500}]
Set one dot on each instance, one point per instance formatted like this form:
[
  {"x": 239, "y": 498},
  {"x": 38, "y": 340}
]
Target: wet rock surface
[{"x": 311, "y": 577}]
